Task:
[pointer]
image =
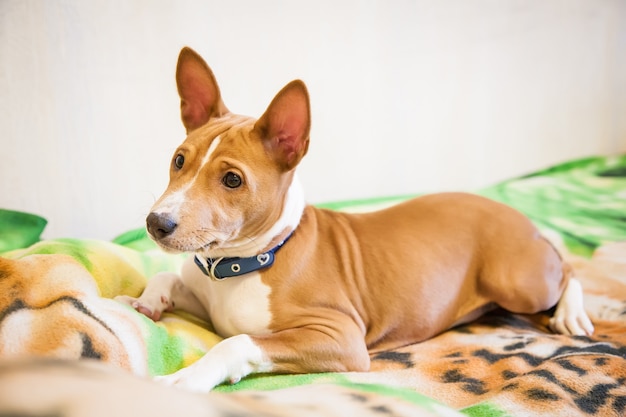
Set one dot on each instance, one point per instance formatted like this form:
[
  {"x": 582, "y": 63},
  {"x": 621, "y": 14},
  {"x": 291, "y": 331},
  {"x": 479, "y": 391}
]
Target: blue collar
[{"x": 222, "y": 268}]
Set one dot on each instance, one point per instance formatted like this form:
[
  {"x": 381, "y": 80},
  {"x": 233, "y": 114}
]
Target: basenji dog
[{"x": 296, "y": 289}]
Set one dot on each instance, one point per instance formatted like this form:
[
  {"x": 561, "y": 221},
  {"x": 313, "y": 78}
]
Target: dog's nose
[{"x": 160, "y": 225}]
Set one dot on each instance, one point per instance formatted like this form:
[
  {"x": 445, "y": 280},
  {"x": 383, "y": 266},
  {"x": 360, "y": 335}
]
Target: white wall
[{"x": 408, "y": 96}]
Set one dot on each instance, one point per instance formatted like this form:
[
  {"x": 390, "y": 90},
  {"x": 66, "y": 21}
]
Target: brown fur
[{"x": 386, "y": 296}]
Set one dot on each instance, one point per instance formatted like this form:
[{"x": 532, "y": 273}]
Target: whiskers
[{"x": 203, "y": 239}]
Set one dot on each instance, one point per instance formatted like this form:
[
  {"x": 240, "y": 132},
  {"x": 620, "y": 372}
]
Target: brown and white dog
[{"x": 297, "y": 289}]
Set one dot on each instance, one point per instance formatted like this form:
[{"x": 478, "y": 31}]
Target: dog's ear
[
  {"x": 285, "y": 125},
  {"x": 200, "y": 97}
]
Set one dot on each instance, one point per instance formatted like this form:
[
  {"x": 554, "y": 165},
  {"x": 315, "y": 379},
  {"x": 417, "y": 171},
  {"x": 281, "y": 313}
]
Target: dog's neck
[
  {"x": 222, "y": 268},
  {"x": 246, "y": 246}
]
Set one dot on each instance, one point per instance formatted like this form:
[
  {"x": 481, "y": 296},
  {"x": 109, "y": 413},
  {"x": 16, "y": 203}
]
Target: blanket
[{"x": 55, "y": 302}]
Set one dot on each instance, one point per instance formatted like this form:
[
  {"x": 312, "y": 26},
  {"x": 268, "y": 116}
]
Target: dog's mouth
[
  {"x": 204, "y": 248},
  {"x": 171, "y": 245},
  {"x": 207, "y": 247}
]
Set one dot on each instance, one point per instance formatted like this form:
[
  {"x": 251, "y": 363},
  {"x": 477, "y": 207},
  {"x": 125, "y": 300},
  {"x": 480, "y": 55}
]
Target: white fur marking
[
  {"x": 171, "y": 203},
  {"x": 207, "y": 157}
]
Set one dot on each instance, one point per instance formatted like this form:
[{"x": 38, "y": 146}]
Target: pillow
[{"x": 19, "y": 229}]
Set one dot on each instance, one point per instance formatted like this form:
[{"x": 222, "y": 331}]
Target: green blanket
[{"x": 503, "y": 364}]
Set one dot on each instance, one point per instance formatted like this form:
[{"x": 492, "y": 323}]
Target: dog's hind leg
[{"x": 570, "y": 317}]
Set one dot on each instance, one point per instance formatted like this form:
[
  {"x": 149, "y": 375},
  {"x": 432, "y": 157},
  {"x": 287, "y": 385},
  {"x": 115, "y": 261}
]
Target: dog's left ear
[{"x": 285, "y": 125}]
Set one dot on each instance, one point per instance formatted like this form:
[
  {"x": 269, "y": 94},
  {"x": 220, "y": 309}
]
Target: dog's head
[{"x": 232, "y": 185}]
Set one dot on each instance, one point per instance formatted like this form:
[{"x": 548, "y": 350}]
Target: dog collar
[{"x": 221, "y": 268}]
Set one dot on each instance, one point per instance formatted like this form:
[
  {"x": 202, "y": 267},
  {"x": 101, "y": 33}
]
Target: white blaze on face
[{"x": 171, "y": 202}]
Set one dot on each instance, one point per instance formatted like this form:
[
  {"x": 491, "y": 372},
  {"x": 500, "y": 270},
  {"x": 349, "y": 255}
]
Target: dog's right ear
[{"x": 200, "y": 97}]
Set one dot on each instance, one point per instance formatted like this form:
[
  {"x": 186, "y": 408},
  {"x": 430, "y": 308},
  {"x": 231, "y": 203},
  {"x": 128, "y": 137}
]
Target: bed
[{"x": 501, "y": 365}]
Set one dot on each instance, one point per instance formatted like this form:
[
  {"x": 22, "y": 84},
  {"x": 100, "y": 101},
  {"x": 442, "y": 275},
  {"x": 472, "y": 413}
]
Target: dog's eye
[
  {"x": 231, "y": 180},
  {"x": 179, "y": 161}
]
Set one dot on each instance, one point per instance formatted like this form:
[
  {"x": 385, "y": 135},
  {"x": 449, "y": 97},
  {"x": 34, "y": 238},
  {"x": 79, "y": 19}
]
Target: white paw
[
  {"x": 572, "y": 325},
  {"x": 570, "y": 317},
  {"x": 228, "y": 361},
  {"x": 194, "y": 378}
]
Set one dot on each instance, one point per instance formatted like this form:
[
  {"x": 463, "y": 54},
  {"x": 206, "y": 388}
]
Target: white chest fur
[{"x": 235, "y": 305}]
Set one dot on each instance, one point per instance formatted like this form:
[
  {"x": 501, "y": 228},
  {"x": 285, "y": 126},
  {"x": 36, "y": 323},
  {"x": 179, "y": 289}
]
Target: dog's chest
[{"x": 236, "y": 305}]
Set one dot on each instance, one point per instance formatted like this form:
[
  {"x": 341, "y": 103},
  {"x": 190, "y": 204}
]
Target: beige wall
[{"x": 408, "y": 96}]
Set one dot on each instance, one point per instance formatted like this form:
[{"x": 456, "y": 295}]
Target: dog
[{"x": 298, "y": 289}]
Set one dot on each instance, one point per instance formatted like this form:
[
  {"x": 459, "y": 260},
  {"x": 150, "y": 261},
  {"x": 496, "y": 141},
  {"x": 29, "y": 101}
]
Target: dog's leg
[
  {"x": 570, "y": 317},
  {"x": 301, "y": 350},
  {"x": 165, "y": 292}
]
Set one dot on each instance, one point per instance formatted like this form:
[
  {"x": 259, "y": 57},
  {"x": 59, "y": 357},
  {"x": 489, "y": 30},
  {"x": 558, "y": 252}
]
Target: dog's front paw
[
  {"x": 195, "y": 378},
  {"x": 228, "y": 361},
  {"x": 149, "y": 308}
]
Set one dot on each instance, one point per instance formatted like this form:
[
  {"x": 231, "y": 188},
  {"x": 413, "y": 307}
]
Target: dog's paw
[
  {"x": 228, "y": 361},
  {"x": 197, "y": 377},
  {"x": 571, "y": 325},
  {"x": 570, "y": 317},
  {"x": 149, "y": 308}
]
